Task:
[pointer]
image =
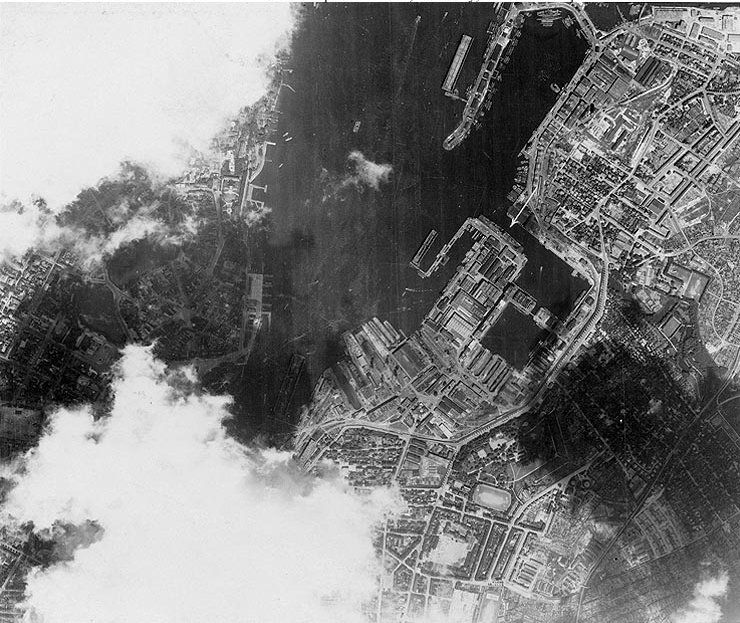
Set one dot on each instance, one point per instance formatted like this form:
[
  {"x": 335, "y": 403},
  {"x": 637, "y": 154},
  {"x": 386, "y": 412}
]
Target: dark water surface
[
  {"x": 514, "y": 337},
  {"x": 340, "y": 254}
]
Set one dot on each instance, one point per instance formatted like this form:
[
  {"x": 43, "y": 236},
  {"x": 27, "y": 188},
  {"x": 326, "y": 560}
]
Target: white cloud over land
[
  {"x": 23, "y": 227},
  {"x": 85, "y": 86},
  {"x": 26, "y": 227},
  {"x": 193, "y": 526},
  {"x": 706, "y": 605}
]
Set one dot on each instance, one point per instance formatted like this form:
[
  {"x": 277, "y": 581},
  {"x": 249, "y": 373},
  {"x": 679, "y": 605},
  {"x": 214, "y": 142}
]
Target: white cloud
[
  {"x": 144, "y": 224},
  {"x": 361, "y": 174},
  {"x": 195, "y": 527},
  {"x": 706, "y": 606},
  {"x": 84, "y": 86},
  {"x": 25, "y": 226},
  {"x": 138, "y": 227},
  {"x": 368, "y": 172},
  {"x": 257, "y": 215}
]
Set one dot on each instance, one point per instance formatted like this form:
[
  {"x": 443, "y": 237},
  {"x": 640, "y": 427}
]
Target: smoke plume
[{"x": 367, "y": 172}]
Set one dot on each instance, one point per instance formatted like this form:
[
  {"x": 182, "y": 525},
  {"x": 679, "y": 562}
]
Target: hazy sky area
[{"x": 84, "y": 86}]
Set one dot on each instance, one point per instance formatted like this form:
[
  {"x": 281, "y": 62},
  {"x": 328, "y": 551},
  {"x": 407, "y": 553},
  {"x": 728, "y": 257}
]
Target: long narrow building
[{"x": 448, "y": 86}]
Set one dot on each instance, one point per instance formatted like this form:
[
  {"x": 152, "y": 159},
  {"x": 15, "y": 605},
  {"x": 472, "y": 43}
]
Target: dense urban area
[
  {"x": 570, "y": 486},
  {"x": 589, "y": 478}
]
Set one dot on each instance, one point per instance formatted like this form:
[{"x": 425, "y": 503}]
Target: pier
[
  {"x": 448, "y": 86},
  {"x": 500, "y": 43}
]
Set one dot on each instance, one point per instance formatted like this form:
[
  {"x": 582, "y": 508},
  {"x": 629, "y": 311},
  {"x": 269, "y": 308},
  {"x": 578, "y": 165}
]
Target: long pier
[
  {"x": 423, "y": 249},
  {"x": 500, "y": 44},
  {"x": 448, "y": 86},
  {"x": 483, "y": 226},
  {"x": 506, "y": 30}
]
